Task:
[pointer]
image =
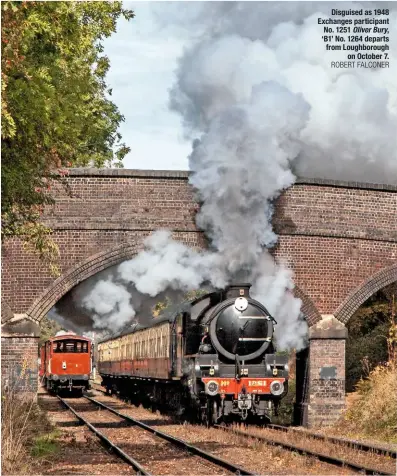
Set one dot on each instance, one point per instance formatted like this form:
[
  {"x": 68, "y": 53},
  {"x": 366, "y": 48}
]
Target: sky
[
  {"x": 143, "y": 59},
  {"x": 350, "y": 134}
]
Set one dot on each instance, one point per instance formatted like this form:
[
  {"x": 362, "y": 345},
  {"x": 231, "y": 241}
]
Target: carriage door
[{"x": 177, "y": 346}]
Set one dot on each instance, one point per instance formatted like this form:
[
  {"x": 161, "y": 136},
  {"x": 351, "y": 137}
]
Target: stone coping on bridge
[{"x": 184, "y": 174}]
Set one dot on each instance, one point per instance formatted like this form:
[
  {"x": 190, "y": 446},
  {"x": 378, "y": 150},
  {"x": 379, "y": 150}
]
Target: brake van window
[{"x": 70, "y": 346}]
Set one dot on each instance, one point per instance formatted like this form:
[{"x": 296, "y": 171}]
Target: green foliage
[
  {"x": 37, "y": 239},
  {"x": 45, "y": 445},
  {"x": 48, "y": 329},
  {"x": 195, "y": 294},
  {"x": 367, "y": 340},
  {"x": 161, "y": 306},
  {"x": 55, "y": 111},
  {"x": 286, "y": 408}
]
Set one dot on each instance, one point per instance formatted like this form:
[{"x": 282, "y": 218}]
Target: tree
[
  {"x": 164, "y": 305},
  {"x": 48, "y": 329},
  {"x": 372, "y": 335},
  {"x": 56, "y": 112}
]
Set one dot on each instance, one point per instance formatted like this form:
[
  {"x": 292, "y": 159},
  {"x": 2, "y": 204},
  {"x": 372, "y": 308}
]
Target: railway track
[
  {"x": 176, "y": 442},
  {"x": 326, "y": 458},
  {"x": 321, "y": 456},
  {"x": 356, "y": 444},
  {"x": 105, "y": 439}
]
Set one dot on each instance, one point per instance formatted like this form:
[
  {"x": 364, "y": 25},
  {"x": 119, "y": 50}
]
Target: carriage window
[{"x": 70, "y": 346}]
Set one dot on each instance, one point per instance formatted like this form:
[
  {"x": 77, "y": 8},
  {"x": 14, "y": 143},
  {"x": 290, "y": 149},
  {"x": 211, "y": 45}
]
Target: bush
[
  {"x": 365, "y": 352},
  {"x": 21, "y": 422},
  {"x": 375, "y": 410},
  {"x": 286, "y": 408}
]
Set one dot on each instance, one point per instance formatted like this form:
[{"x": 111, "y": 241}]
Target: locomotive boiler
[{"x": 213, "y": 358}]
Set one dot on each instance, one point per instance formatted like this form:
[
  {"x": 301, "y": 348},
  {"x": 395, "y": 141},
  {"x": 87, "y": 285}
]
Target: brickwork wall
[
  {"x": 24, "y": 278},
  {"x": 326, "y": 395},
  {"x": 337, "y": 211},
  {"x": 328, "y": 268},
  {"x": 334, "y": 235},
  {"x": 19, "y": 363}
]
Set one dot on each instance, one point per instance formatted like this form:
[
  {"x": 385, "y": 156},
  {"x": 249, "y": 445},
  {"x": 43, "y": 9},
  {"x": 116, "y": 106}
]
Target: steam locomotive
[{"x": 213, "y": 358}]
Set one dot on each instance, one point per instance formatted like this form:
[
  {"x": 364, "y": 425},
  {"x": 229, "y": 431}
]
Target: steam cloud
[
  {"x": 350, "y": 133},
  {"x": 260, "y": 102}
]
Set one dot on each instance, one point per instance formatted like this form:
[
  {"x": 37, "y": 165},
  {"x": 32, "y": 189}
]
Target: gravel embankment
[
  {"x": 80, "y": 451},
  {"x": 156, "y": 455},
  {"x": 248, "y": 453}
]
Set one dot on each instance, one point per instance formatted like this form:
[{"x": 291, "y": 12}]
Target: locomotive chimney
[{"x": 237, "y": 290}]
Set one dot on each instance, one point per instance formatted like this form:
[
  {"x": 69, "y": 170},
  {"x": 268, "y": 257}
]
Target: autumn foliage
[{"x": 56, "y": 110}]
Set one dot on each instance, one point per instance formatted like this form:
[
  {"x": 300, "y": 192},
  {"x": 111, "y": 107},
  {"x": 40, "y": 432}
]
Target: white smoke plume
[
  {"x": 261, "y": 103},
  {"x": 350, "y": 133},
  {"x": 274, "y": 287},
  {"x": 110, "y": 305},
  {"x": 109, "y": 302},
  {"x": 239, "y": 165}
]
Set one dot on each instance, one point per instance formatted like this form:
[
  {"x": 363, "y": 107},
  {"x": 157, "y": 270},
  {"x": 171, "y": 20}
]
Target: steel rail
[
  {"x": 378, "y": 449},
  {"x": 102, "y": 437},
  {"x": 360, "y": 445},
  {"x": 320, "y": 456},
  {"x": 342, "y": 441},
  {"x": 177, "y": 442}
]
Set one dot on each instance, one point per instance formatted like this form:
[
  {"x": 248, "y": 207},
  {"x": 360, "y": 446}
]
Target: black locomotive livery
[{"x": 213, "y": 358}]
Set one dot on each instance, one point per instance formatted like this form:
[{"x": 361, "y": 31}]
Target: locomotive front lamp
[
  {"x": 241, "y": 304},
  {"x": 277, "y": 388},
  {"x": 212, "y": 388}
]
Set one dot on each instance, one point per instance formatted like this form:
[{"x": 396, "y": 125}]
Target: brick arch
[
  {"x": 6, "y": 311},
  {"x": 78, "y": 273},
  {"x": 378, "y": 281},
  {"x": 308, "y": 308},
  {"x": 100, "y": 261}
]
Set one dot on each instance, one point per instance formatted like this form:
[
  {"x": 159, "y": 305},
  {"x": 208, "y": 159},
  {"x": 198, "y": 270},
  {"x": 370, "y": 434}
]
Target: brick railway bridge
[{"x": 340, "y": 238}]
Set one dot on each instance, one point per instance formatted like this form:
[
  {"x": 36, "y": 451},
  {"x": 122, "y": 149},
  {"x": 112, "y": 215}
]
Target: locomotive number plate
[
  {"x": 225, "y": 383},
  {"x": 257, "y": 383}
]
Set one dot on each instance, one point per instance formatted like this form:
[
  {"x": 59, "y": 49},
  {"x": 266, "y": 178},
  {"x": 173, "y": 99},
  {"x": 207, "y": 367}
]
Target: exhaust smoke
[{"x": 261, "y": 104}]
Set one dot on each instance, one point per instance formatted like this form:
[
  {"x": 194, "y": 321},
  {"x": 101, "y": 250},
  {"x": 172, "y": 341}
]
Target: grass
[
  {"x": 374, "y": 411},
  {"x": 45, "y": 445},
  {"x": 26, "y": 434}
]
